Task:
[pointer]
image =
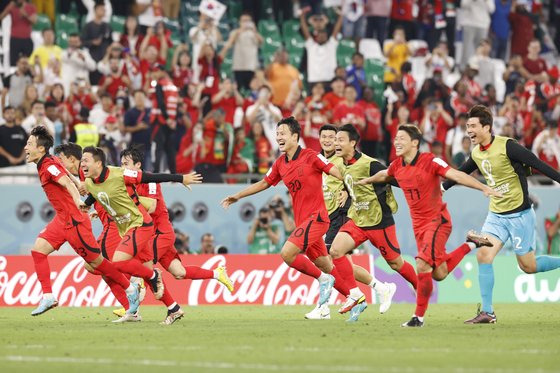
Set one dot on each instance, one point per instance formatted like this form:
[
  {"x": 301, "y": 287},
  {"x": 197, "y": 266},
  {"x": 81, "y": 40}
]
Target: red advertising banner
[{"x": 258, "y": 279}]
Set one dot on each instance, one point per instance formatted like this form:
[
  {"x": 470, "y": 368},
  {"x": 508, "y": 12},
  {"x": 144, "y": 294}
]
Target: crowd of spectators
[{"x": 206, "y": 95}]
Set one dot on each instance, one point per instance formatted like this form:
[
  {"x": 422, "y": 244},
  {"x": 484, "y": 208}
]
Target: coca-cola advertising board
[{"x": 258, "y": 279}]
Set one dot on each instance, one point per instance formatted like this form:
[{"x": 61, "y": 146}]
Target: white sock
[
  {"x": 48, "y": 296},
  {"x": 377, "y": 285},
  {"x": 471, "y": 245},
  {"x": 216, "y": 274},
  {"x": 421, "y": 318},
  {"x": 324, "y": 277},
  {"x": 171, "y": 306},
  {"x": 356, "y": 292}
]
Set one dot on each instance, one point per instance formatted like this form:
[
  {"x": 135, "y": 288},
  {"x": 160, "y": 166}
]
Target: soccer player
[
  {"x": 70, "y": 155},
  {"x": 69, "y": 224},
  {"x": 301, "y": 171},
  {"x": 113, "y": 188},
  {"x": 503, "y": 163},
  {"x": 163, "y": 240},
  {"x": 418, "y": 175},
  {"x": 338, "y": 203}
]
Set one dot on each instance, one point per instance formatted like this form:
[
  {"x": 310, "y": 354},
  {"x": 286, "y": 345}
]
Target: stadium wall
[
  {"x": 264, "y": 279},
  {"x": 24, "y": 211}
]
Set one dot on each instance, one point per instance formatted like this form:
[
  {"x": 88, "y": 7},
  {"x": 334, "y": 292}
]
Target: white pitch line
[{"x": 255, "y": 366}]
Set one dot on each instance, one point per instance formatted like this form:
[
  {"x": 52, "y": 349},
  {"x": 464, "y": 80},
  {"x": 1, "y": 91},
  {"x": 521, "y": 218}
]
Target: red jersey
[
  {"x": 160, "y": 215},
  {"x": 373, "y": 130},
  {"x": 343, "y": 114},
  {"x": 303, "y": 176},
  {"x": 420, "y": 182},
  {"x": 50, "y": 171},
  {"x": 228, "y": 105},
  {"x": 332, "y": 99}
]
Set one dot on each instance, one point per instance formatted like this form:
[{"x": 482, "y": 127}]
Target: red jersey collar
[
  {"x": 354, "y": 159},
  {"x": 413, "y": 163},
  {"x": 296, "y": 155},
  {"x": 47, "y": 155},
  {"x": 103, "y": 176},
  {"x": 485, "y": 148}
]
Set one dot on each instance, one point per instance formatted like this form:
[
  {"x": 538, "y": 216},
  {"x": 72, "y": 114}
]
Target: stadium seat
[
  {"x": 295, "y": 60},
  {"x": 172, "y": 25},
  {"x": 117, "y": 23},
  {"x": 191, "y": 8},
  {"x": 66, "y": 23},
  {"x": 344, "y": 52},
  {"x": 225, "y": 68},
  {"x": 62, "y": 39},
  {"x": 43, "y": 22},
  {"x": 268, "y": 28},
  {"x": 266, "y": 10},
  {"x": 290, "y": 29},
  {"x": 235, "y": 9},
  {"x": 418, "y": 47},
  {"x": 294, "y": 44},
  {"x": 371, "y": 48}
]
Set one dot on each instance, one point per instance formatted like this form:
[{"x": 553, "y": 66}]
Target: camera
[
  {"x": 263, "y": 220},
  {"x": 276, "y": 204}
]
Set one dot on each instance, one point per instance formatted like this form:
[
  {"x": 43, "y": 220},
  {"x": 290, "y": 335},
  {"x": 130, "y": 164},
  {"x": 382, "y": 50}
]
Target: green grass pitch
[{"x": 278, "y": 339}]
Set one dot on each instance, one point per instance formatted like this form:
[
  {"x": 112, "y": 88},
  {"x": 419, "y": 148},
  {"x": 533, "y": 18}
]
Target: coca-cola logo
[{"x": 258, "y": 279}]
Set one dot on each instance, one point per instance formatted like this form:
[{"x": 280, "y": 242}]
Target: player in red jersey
[
  {"x": 301, "y": 170},
  {"x": 69, "y": 224},
  {"x": 70, "y": 155},
  {"x": 418, "y": 175},
  {"x": 114, "y": 189},
  {"x": 163, "y": 241}
]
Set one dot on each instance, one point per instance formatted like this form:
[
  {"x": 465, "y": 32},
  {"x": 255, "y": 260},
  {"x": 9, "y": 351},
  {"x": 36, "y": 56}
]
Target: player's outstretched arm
[
  {"x": 132, "y": 177},
  {"x": 469, "y": 181},
  {"x": 468, "y": 167},
  {"x": 335, "y": 172},
  {"x": 255, "y": 188},
  {"x": 71, "y": 188},
  {"x": 380, "y": 177}
]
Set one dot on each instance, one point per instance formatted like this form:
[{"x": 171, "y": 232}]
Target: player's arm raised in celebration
[
  {"x": 469, "y": 181},
  {"x": 380, "y": 177},
  {"x": 71, "y": 188},
  {"x": 255, "y": 188}
]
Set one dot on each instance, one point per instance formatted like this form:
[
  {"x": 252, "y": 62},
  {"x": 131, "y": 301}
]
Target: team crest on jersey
[{"x": 53, "y": 170}]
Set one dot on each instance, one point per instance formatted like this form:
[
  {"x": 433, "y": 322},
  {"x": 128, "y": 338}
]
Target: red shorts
[
  {"x": 308, "y": 237},
  {"x": 163, "y": 248},
  {"x": 385, "y": 240},
  {"x": 136, "y": 243},
  {"x": 109, "y": 239},
  {"x": 431, "y": 240},
  {"x": 78, "y": 235}
]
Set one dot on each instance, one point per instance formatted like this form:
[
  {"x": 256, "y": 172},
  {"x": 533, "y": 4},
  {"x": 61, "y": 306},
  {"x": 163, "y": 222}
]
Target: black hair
[
  {"x": 47, "y": 29},
  {"x": 43, "y": 136},
  {"x": 327, "y": 127},
  {"x": 49, "y": 104},
  {"x": 406, "y": 67},
  {"x": 70, "y": 149},
  {"x": 357, "y": 54},
  {"x": 352, "y": 132},
  {"x": 413, "y": 131},
  {"x": 483, "y": 114},
  {"x": 97, "y": 153},
  {"x": 73, "y": 35},
  {"x": 292, "y": 124},
  {"x": 37, "y": 102},
  {"x": 98, "y": 4},
  {"x": 134, "y": 152},
  {"x": 337, "y": 78},
  {"x": 9, "y": 107}
]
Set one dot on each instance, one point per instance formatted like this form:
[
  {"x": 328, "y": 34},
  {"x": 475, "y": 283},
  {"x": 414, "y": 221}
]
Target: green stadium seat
[
  {"x": 191, "y": 8},
  {"x": 169, "y": 60},
  {"x": 235, "y": 9},
  {"x": 62, "y": 39},
  {"x": 66, "y": 23},
  {"x": 295, "y": 60},
  {"x": 117, "y": 23},
  {"x": 290, "y": 28},
  {"x": 172, "y": 25},
  {"x": 226, "y": 68},
  {"x": 267, "y": 56},
  {"x": 344, "y": 52},
  {"x": 268, "y": 28},
  {"x": 266, "y": 10},
  {"x": 295, "y": 43},
  {"x": 43, "y": 22}
]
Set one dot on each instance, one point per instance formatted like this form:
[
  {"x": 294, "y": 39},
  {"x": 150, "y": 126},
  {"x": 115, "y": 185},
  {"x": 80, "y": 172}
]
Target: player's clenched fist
[{"x": 192, "y": 178}]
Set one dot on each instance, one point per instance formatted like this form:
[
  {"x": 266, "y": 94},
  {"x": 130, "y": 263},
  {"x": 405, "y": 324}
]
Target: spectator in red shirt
[
  {"x": 534, "y": 67},
  {"x": 402, "y": 15},
  {"x": 115, "y": 81},
  {"x": 181, "y": 66},
  {"x": 209, "y": 65},
  {"x": 392, "y": 125},
  {"x": 336, "y": 95},
  {"x": 132, "y": 38},
  {"x": 316, "y": 100},
  {"x": 315, "y": 118},
  {"x": 228, "y": 99},
  {"x": 24, "y": 15},
  {"x": 217, "y": 147},
  {"x": 372, "y": 135},
  {"x": 149, "y": 59},
  {"x": 159, "y": 37},
  {"x": 521, "y": 29},
  {"x": 263, "y": 150},
  {"x": 348, "y": 111},
  {"x": 436, "y": 123}
]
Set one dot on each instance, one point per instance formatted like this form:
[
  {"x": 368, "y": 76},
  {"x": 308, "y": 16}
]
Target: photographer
[
  {"x": 263, "y": 236},
  {"x": 282, "y": 212}
]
